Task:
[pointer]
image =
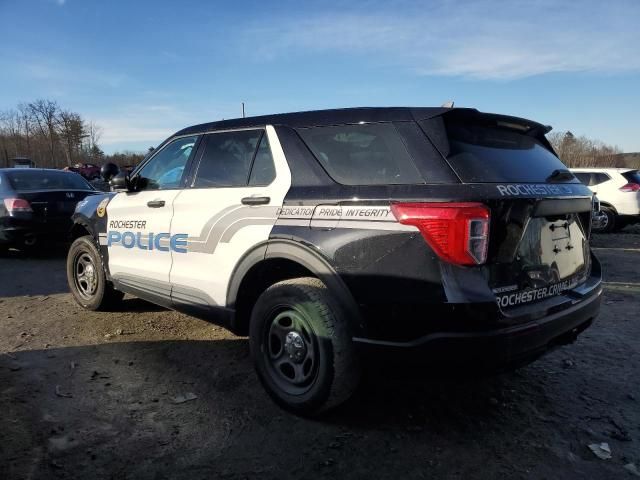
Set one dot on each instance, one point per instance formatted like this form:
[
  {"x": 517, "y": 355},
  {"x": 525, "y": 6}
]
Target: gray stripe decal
[
  {"x": 181, "y": 293},
  {"x": 258, "y": 215},
  {"x": 233, "y": 228},
  {"x": 156, "y": 287},
  {"x": 353, "y": 224},
  {"x": 222, "y": 227},
  {"x": 206, "y": 229},
  {"x": 190, "y": 295}
]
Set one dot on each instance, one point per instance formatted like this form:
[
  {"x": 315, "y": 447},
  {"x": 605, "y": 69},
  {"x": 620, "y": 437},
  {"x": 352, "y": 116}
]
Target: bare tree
[
  {"x": 72, "y": 132},
  {"x": 48, "y": 135},
  {"x": 584, "y": 152},
  {"x": 94, "y": 134},
  {"x": 24, "y": 128},
  {"x": 44, "y": 115}
]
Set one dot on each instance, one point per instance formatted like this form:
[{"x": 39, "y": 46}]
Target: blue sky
[{"x": 144, "y": 69}]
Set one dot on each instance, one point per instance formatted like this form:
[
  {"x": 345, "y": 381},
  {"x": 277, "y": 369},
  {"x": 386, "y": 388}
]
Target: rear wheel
[
  {"x": 31, "y": 244},
  {"x": 301, "y": 346},
  {"x": 86, "y": 277}
]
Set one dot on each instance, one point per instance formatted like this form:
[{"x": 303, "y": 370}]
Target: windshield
[{"x": 36, "y": 180}]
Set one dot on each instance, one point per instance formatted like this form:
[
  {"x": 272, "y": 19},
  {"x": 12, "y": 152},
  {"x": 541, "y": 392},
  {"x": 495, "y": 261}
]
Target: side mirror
[{"x": 120, "y": 182}]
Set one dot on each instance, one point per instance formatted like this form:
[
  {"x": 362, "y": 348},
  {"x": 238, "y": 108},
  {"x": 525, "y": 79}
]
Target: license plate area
[
  {"x": 551, "y": 250},
  {"x": 552, "y": 257}
]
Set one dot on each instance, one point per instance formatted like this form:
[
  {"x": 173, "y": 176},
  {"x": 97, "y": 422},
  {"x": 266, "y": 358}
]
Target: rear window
[
  {"x": 363, "y": 154},
  {"x": 482, "y": 152},
  {"x": 26, "y": 180},
  {"x": 633, "y": 176}
]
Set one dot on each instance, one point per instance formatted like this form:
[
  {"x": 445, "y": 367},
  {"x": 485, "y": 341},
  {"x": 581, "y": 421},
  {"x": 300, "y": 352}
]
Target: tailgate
[
  {"x": 541, "y": 215},
  {"x": 539, "y": 251}
]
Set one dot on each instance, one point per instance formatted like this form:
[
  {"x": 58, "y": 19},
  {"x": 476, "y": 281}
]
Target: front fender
[{"x": 91, "y": 214}]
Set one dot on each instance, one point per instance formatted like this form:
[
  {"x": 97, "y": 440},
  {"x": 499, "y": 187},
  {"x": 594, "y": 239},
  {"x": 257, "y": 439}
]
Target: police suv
[{"x": 334, "y": 238}]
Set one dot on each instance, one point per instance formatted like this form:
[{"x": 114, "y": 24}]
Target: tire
[
  {"x": 610, "y": 223},
  {"x": 86, "y": 277},
  {"x": 31, "y": 245},
  {"x": 301, "y": 347}
]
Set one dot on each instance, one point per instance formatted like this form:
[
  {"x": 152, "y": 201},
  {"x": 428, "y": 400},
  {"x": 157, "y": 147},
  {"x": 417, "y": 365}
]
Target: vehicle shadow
[
  {"x": 122, "y": 410},
  {"x": 136, "y": 305}
]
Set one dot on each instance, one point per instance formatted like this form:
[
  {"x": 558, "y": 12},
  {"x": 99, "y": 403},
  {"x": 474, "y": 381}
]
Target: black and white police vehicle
[{"x": 338, "y": 236}]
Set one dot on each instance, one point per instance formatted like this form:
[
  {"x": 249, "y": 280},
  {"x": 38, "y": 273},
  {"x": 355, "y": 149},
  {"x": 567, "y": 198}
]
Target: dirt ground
[{"x": 95, "y": 395}]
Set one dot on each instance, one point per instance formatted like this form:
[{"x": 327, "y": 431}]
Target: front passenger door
[{"x": 139, "y": 224}]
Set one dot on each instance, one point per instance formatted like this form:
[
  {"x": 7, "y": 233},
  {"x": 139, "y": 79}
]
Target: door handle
[
  {"x": 155, "y": 203},
  {"x": 255, "y": 200}
]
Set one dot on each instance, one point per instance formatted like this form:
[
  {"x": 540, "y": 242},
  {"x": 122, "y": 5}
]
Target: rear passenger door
[{"x": 239, "y": 182}]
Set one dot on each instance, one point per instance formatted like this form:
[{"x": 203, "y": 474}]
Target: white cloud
[{"x": 490, "y": 39}]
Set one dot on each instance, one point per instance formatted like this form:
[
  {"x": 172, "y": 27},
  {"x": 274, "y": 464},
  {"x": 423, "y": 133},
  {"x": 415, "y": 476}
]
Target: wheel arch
[
  {"x": 609, "y": 206},
  {"x": 278, "y": 260},
  {"x": 80, "y": 229}
]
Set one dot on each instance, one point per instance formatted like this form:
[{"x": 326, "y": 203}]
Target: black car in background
[{"x": 36, "y": 205}]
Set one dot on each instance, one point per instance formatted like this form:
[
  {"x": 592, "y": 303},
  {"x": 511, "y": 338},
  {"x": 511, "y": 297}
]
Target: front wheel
[
  {"x": 86, "y": 277},
  {"x": 301, "y": 346}
]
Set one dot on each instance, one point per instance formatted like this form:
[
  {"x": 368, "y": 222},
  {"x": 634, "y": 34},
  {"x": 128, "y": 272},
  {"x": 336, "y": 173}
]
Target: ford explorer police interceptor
[{"x": 453, "y": 235}]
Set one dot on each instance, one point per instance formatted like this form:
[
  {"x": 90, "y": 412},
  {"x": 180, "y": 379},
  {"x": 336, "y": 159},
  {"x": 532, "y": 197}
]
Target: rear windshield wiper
[{"x": 560, "y": 175}]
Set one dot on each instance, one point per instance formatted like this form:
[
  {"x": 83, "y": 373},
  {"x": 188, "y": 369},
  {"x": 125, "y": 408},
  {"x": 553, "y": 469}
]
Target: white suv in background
[{"x": 618, "y": 190}]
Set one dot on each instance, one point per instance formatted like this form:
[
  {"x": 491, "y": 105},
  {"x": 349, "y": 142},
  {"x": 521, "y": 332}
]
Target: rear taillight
[
  {"x": 15, "y": 205},
  {"x": 457, "y": 232},
  {"x": 630, "y": 187}
]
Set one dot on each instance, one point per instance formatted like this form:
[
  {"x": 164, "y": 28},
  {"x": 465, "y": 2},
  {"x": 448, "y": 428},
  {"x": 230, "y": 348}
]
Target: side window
[
  {"x": 599, "y": 178},
  {"x": 165, "y": 169},
  {"x": 585, "y": 178},
  {"x": 263, "y": 171},
  {"x": 227, "y": 158},
  {"x": 368, "y": 154}
]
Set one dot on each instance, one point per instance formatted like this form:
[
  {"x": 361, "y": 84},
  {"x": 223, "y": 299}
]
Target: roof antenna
[
  {"x": 448, "y": 104},
  {"x": 242, "y": 109}
]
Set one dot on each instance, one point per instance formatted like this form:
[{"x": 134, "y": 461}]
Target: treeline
[
  {"x": 125, "y": 159},
  {"x": 48, "y": 134},
  {"x": 584, "y": 152},
  {"x": 53, "y": 137}
]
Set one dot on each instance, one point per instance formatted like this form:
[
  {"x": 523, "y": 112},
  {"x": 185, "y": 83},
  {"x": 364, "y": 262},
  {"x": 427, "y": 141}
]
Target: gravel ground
[{"x": 111, "y": 395}]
